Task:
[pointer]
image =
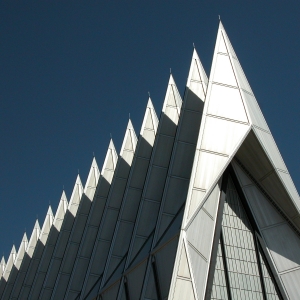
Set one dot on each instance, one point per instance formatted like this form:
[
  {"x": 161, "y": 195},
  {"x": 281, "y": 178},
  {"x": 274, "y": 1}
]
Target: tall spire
[
  {"x": 76, "y": 196},
  {"x": 60, "y": 212},
  {"x": 2, "y": 266},
  {"x": 92, "y": 180}
]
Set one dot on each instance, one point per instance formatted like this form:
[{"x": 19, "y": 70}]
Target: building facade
[{"x": 200, "y": 205}]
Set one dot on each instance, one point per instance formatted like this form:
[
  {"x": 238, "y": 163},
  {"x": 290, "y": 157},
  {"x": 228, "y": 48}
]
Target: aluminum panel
[
  {"x": 111, "y": 293},
  {"x": 222, "y": 136},
  {"x": 69, "y": 258},
  {"x": 223, "y": 72},
  {"x": 98, "y": 262},
  {"x": 277, "y": 191},
  {"x": 289, "y": 184},
  {"x": 79, "y": 269},
  {"x": 190, "y": 124},
  {"x": 199, "y": 269},
  {"x": 117, "y": 192},
  {"x": 60, "y": 291},
  {"x": 183, "y": 160},
  {"x": 129, "y": 211},
  {"x": 175, "y": 195},
  {"x": 227, "y": 103},
  {"x": 202, "y": 242},
  {"x": 135, "y": 280},
  {"x": 164, "y": 260},
  {"x": 183, "y": 290},
  {"x": 140, "y": 171},
  {"x": 220, "y": 44},
  {"x": 211, "y": 203},
  {"x": 163, "y": 151},
  {"x": 254, "y": 111},
  {"x": 88, "y": 241},
  {"x": 184, "y": 269},
  {"x": 109, "y": 218},
  {"x": 156, "y": 183},
  {"x": 147, "y": 141},
  {"x": 78, "y": 228},
  {"x": 169, "y": 121},
  {"x": 271, "y": 148},
  {"x": 291, "y": 282},
  {"x": 124, "y": 164},
  {"x": 284, "y": 246},
  {"x": 123, "y": 238},
  {"x": 209, "y": 166},
  {"x": 196, "y": 198},
  {"x": 243, "y": 178},
  {"x": 263, "y": 210},
  {"x": 147, "y": 218}
]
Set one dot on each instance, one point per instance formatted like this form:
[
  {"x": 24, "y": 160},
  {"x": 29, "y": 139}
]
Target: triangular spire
[
  {"x": 111, "y": 158},
  {"x": 76, "y": 196},
  {"x": 33, "y": 238},
  {"x": 92, "y": 180},
  {"x": 60, "y": 212},
  {"x": 197, "y": 80},
  {"x": 130, "y": 139},
  {"x": 2, "y": 266},
  {"x": 150, "y": 121},
  {"x": 21, "y": 251},
  {"x": 47, "y": 225},
  {"x": 10, "y": 262},
  {"x": 172, "y": 98}
]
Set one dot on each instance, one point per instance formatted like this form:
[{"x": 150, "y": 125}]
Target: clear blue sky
[{"x": 71, "y": 72}]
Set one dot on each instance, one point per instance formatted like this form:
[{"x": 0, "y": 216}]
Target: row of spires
[{"x": 110, "y": 162}]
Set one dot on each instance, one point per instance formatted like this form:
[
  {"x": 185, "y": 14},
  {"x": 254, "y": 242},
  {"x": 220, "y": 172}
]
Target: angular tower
[{"x": 199, "y": 206}]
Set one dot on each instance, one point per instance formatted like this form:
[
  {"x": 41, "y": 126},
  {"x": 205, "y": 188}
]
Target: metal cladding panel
[
  {"x": 163, "y": 151},
  {"x": 183, "y": 162},
  {"x": 264, "y": 211},
  {"x": 226, "y": 102},
  {"x": 145, "y": 147},
  {"x": 78, "y": 228},
  {"x": 61, "y": 245},
  {"x": 110, "y": 219},
  {"x": 140, "y": 172},
  {"x": 96, "y": 212},
  {"x": 169, "y": 121},
  {"x": 87, "y": 241},
  {"x": 46, "y": 294},
  {"x": 101, "y": 251},
  {"x": 117, "y": 192},
  {"x": 251, "y": 154},
  {"x": 189, "y": 126},
  {"x": 60, "y": 291},
  {"x": 222, "y": 136},
  {"x": 271, "y": 149},
  {"x": 290, "y": 187},
  {"x": 243, "y": 178},
  {"x": 175, "y": 195},
  {"x": 183, "y": 290},
  {"x": 277, "y": 191},
  {"x": 140, "y": 246},
  {"x": 135, "y": 281},
  {"x": 150, "y": 293},
  {"x": 201, "y": 242},
  {"x": 80, "y": 268},
  {"x": 52, "y": 273},
  {"x": 156, "y": 183},
  {"x": 124, "y": 164},
  {"x": 129, "y": 211},
  {"x": 111, "y": 293},
  {"x": 255, "y": 113},
  {"x": 147, "y": 218},
  {"x": 291, "y": 282},
  {"x": 284, "y": 246},
  {"x": 223, "y": 72},
  {"x": 199, "y": 268},
  {"x": 209, "y": 166},
  {"x": 69, "y": 258},
  {"x": 123, "y": 240},
  {"x": 164, "y": 260},
  {"x": 36, "y": 288},
  {"x": 196, "y": 198},
  {"x": 184, "y": 269}
]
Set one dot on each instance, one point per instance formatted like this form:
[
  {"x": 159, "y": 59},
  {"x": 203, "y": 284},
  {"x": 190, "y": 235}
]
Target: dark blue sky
[{"x": 71, "y": 72}]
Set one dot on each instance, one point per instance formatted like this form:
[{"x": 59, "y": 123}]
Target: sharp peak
[
  {"x": 13, "y": 249},
  {"x": 171, "y": 79},
  {"x": 37, "y": 224},
  {"x": 24, "y": 238},
  {"x": 78, "y": 180},
  {"x": 111, "y": 145},
  {"x": 3, "y": 260},
  {"x": 49, "y": 211},
  {"x": 94, "y": 162},
  {"x": 150, "y": 103},
  {"x": 63, "y": 196},
  {"x": 195, "y": 54},
  {"x": 129, "y": 125}
]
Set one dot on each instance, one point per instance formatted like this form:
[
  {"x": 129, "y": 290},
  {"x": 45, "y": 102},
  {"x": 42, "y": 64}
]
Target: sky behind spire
[{"x": 71, "y": 73}]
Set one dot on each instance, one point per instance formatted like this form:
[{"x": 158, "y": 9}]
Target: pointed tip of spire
[
  {"x": 37, "y": 224},
  {"x": 13, "y": 249},
  {"x": 171, "y": 79},
  {"x": 150, "y": 104},
  {"x": 195, "y": 54},
  {"x": 111, "y": 145},
  {"x": 78, "y": 180},
  {"x": 49, "y": 212},
  {"x": 94, "y": 162},
  {"x": 25, "y": 239},
  {"x": 129, "y": 125}
]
